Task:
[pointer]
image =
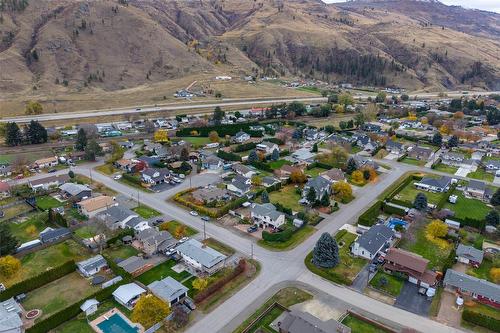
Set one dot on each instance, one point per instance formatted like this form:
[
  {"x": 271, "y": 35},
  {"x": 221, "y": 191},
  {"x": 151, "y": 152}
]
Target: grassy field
[
  {"x": 172, "y": 225},
  {"x": 471, "y": 208},
  {"x": 85, "y": 232},
  {"x": 412, "y": 161},
  {"x": 360, "y": 326},
  {"x": 50, "y": 257},
  {"x": 347, "y": 269},
  {"x": 107, "y": 169},
  {"x": 278, "y": 164},
  {"x": 196, "y": 141},
  {"x": 218, "y": 246},
  {"x": 393, "y": 285},
  {"x": 445, "y": 168},
  {"x": 415, "y": 241},
  {"x": 288, "y": 197},
  {"x": 21, "y": 232},
  {"x": 314, "y": 172},
  {"x": 297, "y": 238},
  {"x": 146, "y": 212},
  {"x": 15, "y": 211},
  {"x": 121, "y": 252},
  {"x": 409, "y": 192},
  {"x": 483, "y": 271},
  {"x": 481, "y": 175},
  {"x": 314, "y": 90},
  {"x": 162, "y": 271},
  {"x": 59, "y": 294},
  {"x": 286, "y": 297},
  {"x": 46, "y": 202}
]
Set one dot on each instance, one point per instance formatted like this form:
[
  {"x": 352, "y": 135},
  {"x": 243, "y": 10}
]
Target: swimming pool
[{"x": 116, "y": 324}]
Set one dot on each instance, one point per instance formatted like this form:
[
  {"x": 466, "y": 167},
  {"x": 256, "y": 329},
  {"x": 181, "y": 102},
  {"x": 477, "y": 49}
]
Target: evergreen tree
[
  {"x": 366, "y": 174},
  {"x": 252, "y": 157},
  {"x": 13, "y": 135},
  {"x": 218, "y": 115},
  {"x": 492, "y": 218},
  {"x": 420, "y": 201},
  {"x": 71, "y": 174},
  {"x": 265, "y": 197},
  {"x": 437, "y": 139},
  {"x": 311, "y": 195},
  {"x": 326, "y": 252},
  {"x": 325, "y": 200},
  {"x": 297, "y": 108},
  {"x": 92, "y": 150},
  {"x": 276, "y": 155},
  {"x": 184, "y": 154},
  {"x": 453, "y": 142},
  {"x": 351, "y": 166},
  {"x": 315, "y": 148},
  {"x": 81, "y": 140},
  {"x": 8, "y": 242},
  {"x": 36, "y": 133},
  {"x": 495, "y": 199}
]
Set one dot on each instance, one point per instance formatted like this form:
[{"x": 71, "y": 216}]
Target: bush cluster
[
  {"x": 481, "y": 320},
  {"x": 217, "y": 285}
]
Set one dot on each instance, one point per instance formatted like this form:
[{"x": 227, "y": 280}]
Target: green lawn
[
  {"x": 162, "y": 271},
  {"x": 21, "y": 232},
  {"x": 298, "y": 237},
  {"x": 360, "y": 326},
  {"x": 286, "y": 297},
  {"x": 288, "y": 197},
  {"x": 278, "y": 164},
  {"x": 481, "y": 175},
  {"x": 107, "y": 169},
  {"x": 415, "y": 241},
  {"x": 133, "y": 185},
  {"x": 471, "y": 208},
  {"x": 146, "y": 212},
  {"x": 446, "y": 168},
  {"x": 412, "y": 161},
  {"x": 409, "y": 192},
  {"x": 393, "y": 284},
  {"x": 218, "y": 246},
  {"x": 196, "y": 141},
  {"x": 34, "y": 263},
  {"x": 120, "y": 252},
  {"x": 15, "y": 211},
  {"x": 46, "y": 202},
  {"x": 172, "y": 225},
  {"x": 85, "y": 232},
  {"x": 314, "y": 172},
  {"x": 347, "y": 269},
  {"x": 314, "y": 90},
  {"x": 59, "y": 294},
  {"x": 483, "y": 271}
]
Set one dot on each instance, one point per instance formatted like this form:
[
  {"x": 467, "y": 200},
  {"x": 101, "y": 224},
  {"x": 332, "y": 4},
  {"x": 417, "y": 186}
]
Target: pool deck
[{"x": 107, "y": 315}]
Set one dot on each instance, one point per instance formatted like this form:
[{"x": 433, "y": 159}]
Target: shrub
[
  {"x": 281, "y": 236},
  {"x": 368, "y": 218},
  {"x": 217, "y": 285},
  {"x": 228, "y": 156},
  {"x": 131, "y": 178},
  {"x": 481, "y": 319},
  {"x": 125, "y": 232}
]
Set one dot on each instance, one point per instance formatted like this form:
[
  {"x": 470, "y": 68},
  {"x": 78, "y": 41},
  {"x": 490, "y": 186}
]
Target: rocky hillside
[{"x": 108, "y": 45}]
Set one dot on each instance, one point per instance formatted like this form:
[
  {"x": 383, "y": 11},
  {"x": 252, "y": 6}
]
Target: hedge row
[
  {"x": 117, "y": 270},
  {"x": 481, "y": 320},
  {"x": 319, "y": 165},
  {"x": 217, "y": 285},
  {"x": 281, "y": 236},
  {"x": 222, "y": 130},
  {"x": 478, "y": 224},
  {"x": 38, "y": 280},
  {"x": 131, "y": 178},
  {"x": 214, "y": 213},
  {"x": 244, "y": 147},
  {"x": 228, "y": 156},
  {"x": 393, "y": 210},
  {"x": 262, "y": 166},
  {"x": 368, "y": 218},
  {"x": 402, "y": 185},
  {"x": 277, "y": 141}
]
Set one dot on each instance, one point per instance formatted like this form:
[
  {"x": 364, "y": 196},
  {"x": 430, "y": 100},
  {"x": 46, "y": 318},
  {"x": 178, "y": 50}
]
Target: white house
[
  {"x": 266, "y": 215},
  {"x": 239, "y": 185},
  {"x": 434, "y": 184},
  {"x": 46, "y": 162},
  {"x": 154, "y": 176},
  {"x": 201, "y": 258},
  {"x": 241, "y": 137},
  {"x": 92, "y": 266},
  {"x": 243, "y": 170},
  {"x": 128, "y": 294},
  {"x": 267, "y": 147},
  {"x": 89, "y": 306},
  {"x": 369, "y": 244}
]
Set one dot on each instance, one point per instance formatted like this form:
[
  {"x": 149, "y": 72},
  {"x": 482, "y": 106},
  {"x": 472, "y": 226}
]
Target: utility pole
[
  {"x": 251, "y": 252},
  {"x": 91, "y": 180},
  {"x": 138, "y": 202},
  {"x": 204, "y": 230}
]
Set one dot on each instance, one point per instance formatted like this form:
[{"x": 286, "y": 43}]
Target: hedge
[
  {"x": 38, "y": 280},
  {"x": 222, "y": 130},
  {"x": 217, "y": 285},
  {"x": 244, "y": 147},
  {"x": 262, "y": 166},
  {"x": 132, "y": 178},
  {"x": 125, "y": 232},
  {"x": 402, "y": 157},
  {"x": 393, "y": 210},
  {"x": 117, "y": 270},
  {"x": 277, "y": 141},
  {"x": 481, "y": 320},
  {"x": 402, "y": 185},
  {"x": 281, "y": 236},
  {"x": 478, "y": 224},
  {"x": 368, "y": 218},
  {"x": 319, "y": 165},
  {"x": 228, "y": 156},
  {"x": 214, "y": 213}
]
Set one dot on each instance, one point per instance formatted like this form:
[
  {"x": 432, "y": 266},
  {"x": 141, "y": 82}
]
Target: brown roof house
[
  {"x": 93, "y": 206},
  {"x": 411, "y": 265},
  {"x": 333, "y": 175},
  {"x": 285, "y": 171}
]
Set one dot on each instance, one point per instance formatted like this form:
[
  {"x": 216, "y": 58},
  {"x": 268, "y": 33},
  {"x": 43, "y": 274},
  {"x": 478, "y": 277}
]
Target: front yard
[
  {"x": 446, "y": 168},
  {"x": 171, "y": 227},
  {"x": 288, "y": 197},
  {"x": 481, "y": 175},
  {"x": 298, "y": 237},
  {"x": 107, "y": 169},
  {"x": 218, "y": 246},
  {"x": 387, "y": 283},
  {"x": 146, "y": 212},
  {"x": 412, "y": 161},
  {"x": 468, "y": 208},
  {"x": 409, "y": 192}
]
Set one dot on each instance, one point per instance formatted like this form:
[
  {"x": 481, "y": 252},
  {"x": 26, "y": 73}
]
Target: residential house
[
  {"x": 481, "y": 290},
  {"x": 302, "y": 322},
  {"x": 478, "y": 189},
  {"x": 4, "y": 190},
  {"x": 361, "y": 162},
  {"x": 491, "y": 165},
  {"x": 241, "y": 137},
  {"x": 92, "y": 266},
  {"x": 212, "y": 162},
  {"x": 121, "y": 217},
  {"x": 46, "y": 162},
  {"x": 469, "y": 255},
  {"x": 411, "y": 265},
  {"x": 11, "y": 316},
  {"x": 303, "y": 156},
  {"x": 320, "y": 184},
  {"x": 373, "y": 128},
  {"x": 75, "y": 192},
  {"x": 146, "y": 162},
  {"x": 48, "y": 182},
  {"x": 395, "y": 147},
  {"x": 267, "y": 147},
  {"x": 266, "y": 215},
  {"x": 310, "y": 134},
  {"x": 452, "y": 158},
  {"x": 420, "y": 153},
  {"x": 135, "y": 265},
  {"x": 51, "y": 235},
  {"x": 125, "y": 165},
  {"x": 128, "y": 294},
  {"x": 441, "y": 184},
  {"x": 153, "y": 241},
  {"x": 240, "y": 185},
  {"x": 5, "y": 169},
  {"x": 154, "y": 176},
  {"x": 333, "y": 175},
  {"x": 373, "y": 241},
  {"x": 285, "y": 171},
  {"x": 169, "y": 290},
  {"x": 76, "y": 156},
  {"x": 201, "y": 258},
  {"x": 269, "y": 181},
  {"x": 243, "y": 170},
  {"x": 210, "y": 193},
  {"x": 93, "y": 206}
]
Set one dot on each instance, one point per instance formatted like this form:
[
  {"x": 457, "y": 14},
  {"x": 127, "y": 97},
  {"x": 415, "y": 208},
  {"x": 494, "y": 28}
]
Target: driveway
[
  {"x": 410, "y": 300},
  {"x": 449, "y": 313},
  {"x": 496, "y": 180},
  {"x": 391, "y": 157},
  {"x": 463, "y": 171},
  {"x": 362, "y": 279}
]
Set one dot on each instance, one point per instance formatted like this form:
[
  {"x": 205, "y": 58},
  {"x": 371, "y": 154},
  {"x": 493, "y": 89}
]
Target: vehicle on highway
[
  {"x": 205, "y": 218},
  {"x": 117, "y": 177},
  {"x": 52, "y": 170},
  {"x": 138, "y": 109},
  {"x": 194, "y": 213},
  {"x": 252, "y": 228},
  {"x": 183, "y": 239}
]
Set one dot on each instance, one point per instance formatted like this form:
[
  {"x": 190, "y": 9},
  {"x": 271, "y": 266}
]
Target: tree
[
  {"x": 161, "y": 136},
  {"x": 420, "y": 202},
  {"x": 92, "y": 150},
  {"x": 315, "y": 148},
  {"x": 298, "y": 177},
  {"x": 13, "y": 135},
  {"x": 351, "y": 166},
  {"x": 495, "y": 198},
  {"x": 370, "y": 112},
  {"x": 33, "y": 108},
  {"x": 8, "y": 242},
  {"x": 253, "y": 157},
  {"x": 311, "y": 195},
  {"x": 218, "y": 115},
  {"x": 149, "y": 310},
  {"x": 366, "y": 174},
  {"x": 326, "y": 252},
  {"x": 333, "y": 98},
  {"x": 325, "y": 200},
  {"x": 437, "y": 139},
  {"x": 342, "y": 190},
  {"x": 346, "y": 99},
  {"x": 81, "y": 140},
  {"x": 275, "y": 155},
  {"x": 117, "y": 152},
  {"x": 453, "y": 141},
  {"x": 71, "y": 174},
  {"x": 436, "y": 229},
  {"x": 297, "y": 108},
  {"x": 9, "y": 266},
  {"x": 256, "y": 180},
  {"x": 405, "y": 97},
  {"x": 359, "y": 120},
  {"x": 495, "y": 274},
  {"x": 213, "y": 136},
  {"x": 493, "y": 117},
  {"x": 456, "y": 104},
  {"x": 264, "y": 197},
  {"x": 238, "y": 114},
  {"x": 200, "y": 284},
  {"x": 184, "y": 154},
  {"x": 492, "y": 218},
  {"x": 180, "y": 231},
  {"x": 149, "y": 126},
  {"x": 325, "y": 110},
  {"x": 36, "y": 133},
  {"x": 357, "y": 177},
  {"x": 381, "y": 96}
]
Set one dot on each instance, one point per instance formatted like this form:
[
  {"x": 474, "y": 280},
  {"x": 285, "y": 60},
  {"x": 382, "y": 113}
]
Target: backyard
[
  {"x": 278, "y": 164},
  {"x": 162, "y": 271},
  {"x": 468, "y": 208},
  {"x": 85, "y": 232},
  {"x": 120, "y": 252},
  {"x": 288, "y": 197},
  {"x": 46, "y": 202},
  {"x": 360, "y": 326},
  {"x": 196, "y": 141},
  {"x": 59, "y": 294},
  {"x": 146, "y": 212},
  {"x": 314, "y": 172},
  {"x": 409, "y": 192},
  {"x": 387, "y": 283},
  {"x": 15, "y": 210},
  {"x": 28, "y": 228},
  {"x": 171, "y": 226}
]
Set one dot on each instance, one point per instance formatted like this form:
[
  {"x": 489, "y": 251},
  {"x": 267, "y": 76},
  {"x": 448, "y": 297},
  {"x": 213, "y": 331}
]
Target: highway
[{"x": 278, "y": 268}]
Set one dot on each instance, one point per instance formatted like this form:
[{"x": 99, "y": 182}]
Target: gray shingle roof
[
  {"x": 267, "y": 209},
  {"x": 303, "y": 322},
  {"x": 319, "y": 183},
  {"x": 92, "y": 263},
  {"x": 472, "y": 284},
  {"x": 436, "y": 182},
  {"x": 118, "y": 213},
  {"x": 205, "y": 255},
  {"x": 10, "y": 320},
  {"x": 48, "y": 235},
  {"x": 476, "y": 185},
  {"x": 167, "y": 289},
  {"x": 373, "y": 239},
  {"x": 73, "y": 189},
  {"x": 470, "y": 253}
]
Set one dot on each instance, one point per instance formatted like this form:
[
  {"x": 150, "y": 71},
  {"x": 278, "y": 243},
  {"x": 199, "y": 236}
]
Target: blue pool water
[
  {"x": 116, "y": 324},
  {"x": 393, "y": 222}
]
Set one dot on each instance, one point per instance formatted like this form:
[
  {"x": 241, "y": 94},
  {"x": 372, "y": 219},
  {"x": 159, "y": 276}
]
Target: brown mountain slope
[{"x": 71, "y": 46}]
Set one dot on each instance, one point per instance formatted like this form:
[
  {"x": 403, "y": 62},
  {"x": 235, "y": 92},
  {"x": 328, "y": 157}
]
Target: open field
[
  {"x": 107, "y": 169},
  {"x": 413, "y": 161},
  {"x": 15, "y": 211},
  {"x": 468, "y": 208},
  {"x": 278, "y": 164},
  {"x": 288, "y": 197},
  {"x": 85, "y": 232},
  {"x": 196, "y": 141}
]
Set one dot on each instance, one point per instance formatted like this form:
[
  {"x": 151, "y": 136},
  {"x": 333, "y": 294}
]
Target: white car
[
  {"x": 170, "y": 252},
  {"x": 193, "y": 213},
  {"x": 117, "y": 177},
  {"x": 183, "y": 239}
]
